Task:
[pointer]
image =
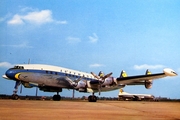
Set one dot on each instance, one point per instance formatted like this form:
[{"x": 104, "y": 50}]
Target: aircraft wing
[
  {"x": 139, "y": 79},
  {"x": 134, "y": 80}
]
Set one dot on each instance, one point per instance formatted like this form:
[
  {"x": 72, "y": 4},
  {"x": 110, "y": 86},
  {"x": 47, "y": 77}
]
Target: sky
[{"x": 93, "y": 36}]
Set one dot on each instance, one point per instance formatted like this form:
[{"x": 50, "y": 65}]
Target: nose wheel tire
[{"x": 15, "y": 97}]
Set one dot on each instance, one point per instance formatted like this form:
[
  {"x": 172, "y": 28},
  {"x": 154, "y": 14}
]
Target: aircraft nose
[{"x": 10, "y": 74}]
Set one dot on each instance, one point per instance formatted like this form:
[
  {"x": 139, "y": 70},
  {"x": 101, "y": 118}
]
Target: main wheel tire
[
  {"x": 56, "y": 97},
  {"x": 92, "y": 98}
]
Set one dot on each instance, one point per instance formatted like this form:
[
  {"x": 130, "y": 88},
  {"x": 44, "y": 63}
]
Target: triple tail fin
[
  {"x": 148, "y": 72},
  {"x": 123, "y": 74},
  {"x": 121, "y": 90},
  {"x": 148, "y": 83}
]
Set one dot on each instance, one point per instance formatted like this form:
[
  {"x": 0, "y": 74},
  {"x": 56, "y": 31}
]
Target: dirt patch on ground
[{"x": 80, "y": 110}]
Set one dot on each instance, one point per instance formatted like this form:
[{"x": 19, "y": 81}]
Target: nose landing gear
[{"x": 14, "y": 95}]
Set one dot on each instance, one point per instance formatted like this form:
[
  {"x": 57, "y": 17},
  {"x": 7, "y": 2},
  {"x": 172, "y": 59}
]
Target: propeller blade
[
  {"x": 108, "y": 75},
  {"x": 76, "y": 81},
  {"x": 101, "y": 80},
  {"x": 95, "y": 75}
]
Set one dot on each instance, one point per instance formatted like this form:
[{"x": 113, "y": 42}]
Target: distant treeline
[{"x": 4, "y": 96}]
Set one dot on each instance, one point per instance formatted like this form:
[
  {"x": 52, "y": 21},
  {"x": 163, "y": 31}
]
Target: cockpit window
[{"x": 18, "y": 67}]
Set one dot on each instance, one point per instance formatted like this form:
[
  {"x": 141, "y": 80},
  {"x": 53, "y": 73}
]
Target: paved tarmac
[{"x": 83, "y": 110}]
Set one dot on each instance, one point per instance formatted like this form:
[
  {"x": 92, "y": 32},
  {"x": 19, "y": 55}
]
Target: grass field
[{"x": 83, "y": 110}]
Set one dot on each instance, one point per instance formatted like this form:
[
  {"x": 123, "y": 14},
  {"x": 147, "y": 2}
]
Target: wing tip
[{"x": 169, "y": 72}]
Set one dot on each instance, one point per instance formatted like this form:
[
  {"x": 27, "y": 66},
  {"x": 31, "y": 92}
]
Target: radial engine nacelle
[
  {"x": 81, "y": 86},
  {"x": 110, "y": 81}
]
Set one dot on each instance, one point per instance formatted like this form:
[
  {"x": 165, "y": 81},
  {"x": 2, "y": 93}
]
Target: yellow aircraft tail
[{"x": 123, "y": 74}]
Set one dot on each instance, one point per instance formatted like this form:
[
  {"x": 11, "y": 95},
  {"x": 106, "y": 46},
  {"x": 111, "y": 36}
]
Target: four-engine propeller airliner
[
  {"x": 135, "y": 97},
  {"x": 53, "y": 79}
]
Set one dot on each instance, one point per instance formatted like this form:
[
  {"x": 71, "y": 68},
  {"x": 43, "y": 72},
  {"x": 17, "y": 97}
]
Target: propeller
[
  {"x": 74, "y": 84},
  {"x": 101, "y": 80},
  {"x": 95, "y": 75}
]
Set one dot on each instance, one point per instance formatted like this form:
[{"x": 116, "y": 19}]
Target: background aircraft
[
  {"x": 135, "y": 97},
  {"x": 53, "y": 79}
]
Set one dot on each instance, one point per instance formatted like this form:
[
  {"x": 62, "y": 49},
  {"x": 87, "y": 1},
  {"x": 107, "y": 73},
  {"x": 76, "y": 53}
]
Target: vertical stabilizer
[
  {"x": 148, "y": 83},
  {"x": 121, "y": 91},
  {"x": 148, "y": 72},
  {"x": 123, "y": 74}
]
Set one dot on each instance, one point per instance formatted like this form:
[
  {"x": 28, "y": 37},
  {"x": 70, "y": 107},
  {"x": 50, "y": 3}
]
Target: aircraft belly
[
  {"x": 45, "y": 79},
  {"x": 106, "y": 88},
  {"x": 111, "y": 88}
]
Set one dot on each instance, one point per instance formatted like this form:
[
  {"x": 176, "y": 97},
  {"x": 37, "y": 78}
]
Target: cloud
[
  {"x": 16, "y": 20},
  {"x": 94, "y": 38},
  {"x": 25, "y": 9},
  {"x": 73, "y": 40},
  {"x": 43, "y": 16},
  {"x": 5, "y": 65},
  {"x": 145, "y": 66},
  {"x": 62, "y": 22},
  {"x": 22, "y": 45},
  {"x": 34, "y": 17},
  {"x": 96, "y": 65}
]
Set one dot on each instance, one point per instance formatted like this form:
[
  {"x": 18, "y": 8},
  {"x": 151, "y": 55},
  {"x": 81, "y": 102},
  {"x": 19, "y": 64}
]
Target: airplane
[
  {"x": 135, "y": 97},
  {"x": 50, "y": 78}
]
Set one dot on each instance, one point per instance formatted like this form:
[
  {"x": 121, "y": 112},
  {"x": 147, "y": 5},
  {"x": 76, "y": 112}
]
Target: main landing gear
[
  {"x": 57, "y": 97},
  {"x": 92, "y": 98}
]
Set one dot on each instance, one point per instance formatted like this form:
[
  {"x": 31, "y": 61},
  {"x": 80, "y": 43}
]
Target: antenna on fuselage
[{"x": 29, "y": 61}]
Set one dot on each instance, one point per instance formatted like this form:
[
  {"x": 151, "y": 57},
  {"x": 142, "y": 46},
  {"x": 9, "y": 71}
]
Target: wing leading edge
[{"x": 132, "y": 80}]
